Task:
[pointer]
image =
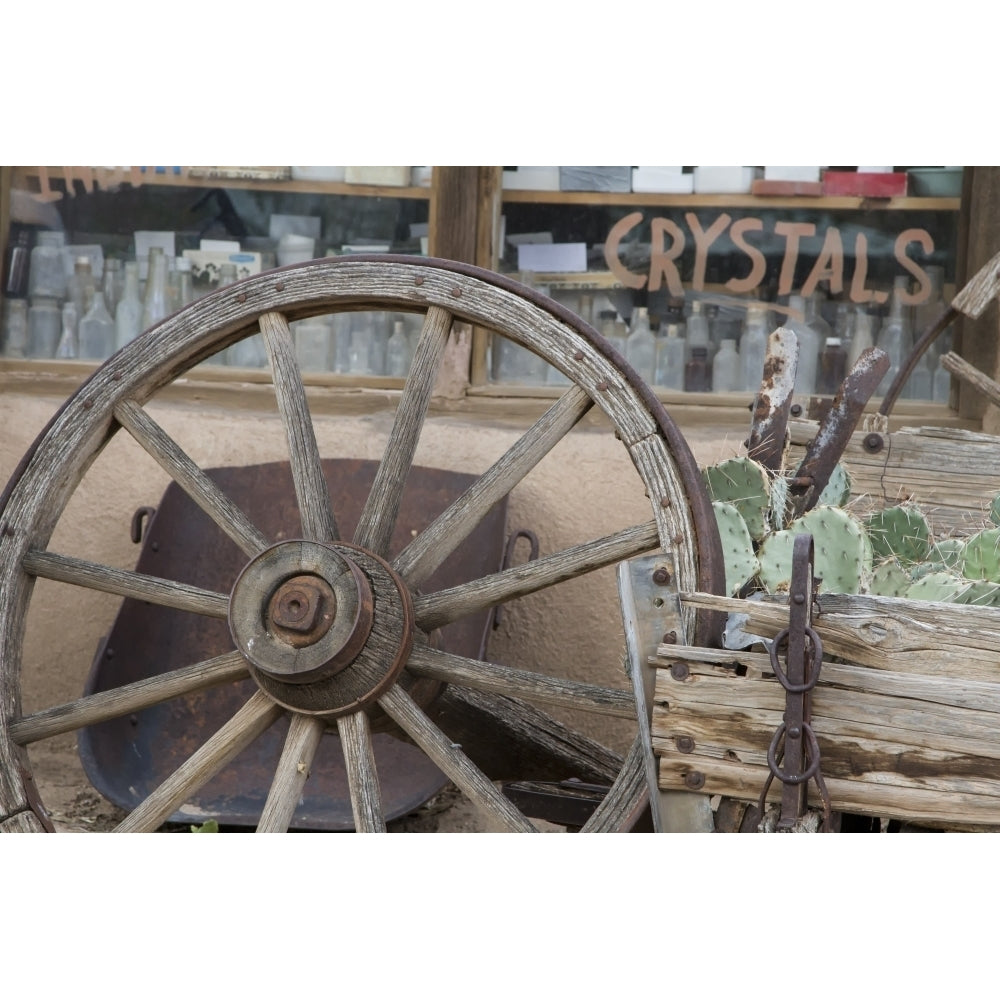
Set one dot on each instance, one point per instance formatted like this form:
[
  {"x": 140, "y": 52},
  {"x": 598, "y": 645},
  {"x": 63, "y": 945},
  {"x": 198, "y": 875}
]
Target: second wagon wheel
[{"x": 337, "y": 632}]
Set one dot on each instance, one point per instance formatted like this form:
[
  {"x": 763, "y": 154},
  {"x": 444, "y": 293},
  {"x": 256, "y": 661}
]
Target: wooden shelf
[
  {"x": 729, "y": 201},
  {"x": 29, "y": 179}
]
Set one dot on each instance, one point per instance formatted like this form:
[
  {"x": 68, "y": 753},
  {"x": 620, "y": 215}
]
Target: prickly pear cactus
[
  {"x": 981, "y": 556},
  {"x": 837, "y": 491},
  {"x": 737, "y": 547},
  {"x": 745, "y": 484},
  {"x": 842, "y": 553},
  {"x": 889, "y": 579},
  {"x": 899, "y": 533},
  {"x": 941, "y": 586}
]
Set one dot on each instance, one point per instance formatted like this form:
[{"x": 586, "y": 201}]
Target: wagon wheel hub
[{"x": 325, "y": 628}]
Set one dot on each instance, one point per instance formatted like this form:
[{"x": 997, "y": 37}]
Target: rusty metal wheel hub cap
[{"x": 325, "y": 628}]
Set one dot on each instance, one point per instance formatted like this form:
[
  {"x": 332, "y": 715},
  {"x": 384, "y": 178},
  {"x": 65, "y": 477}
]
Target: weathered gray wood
[
  {"x": 362, "y": 777},
  {"x": 399, "y": 706},
  {"x": 128, "y": 698},
  {"x": 126, "y": 583},
  {"x": 934, "y": 639},
  {"x": 623, "y": 805},
  {"x": 427, "y": 662},
  {"x": 213, "y": 755},
  {"x": 318, "y": 521},
  {"x": 434, "y": 610},
  {"x": 971, "y": 376},
  {"x": 22, "y": 822},
  {"x": 436, "y": 542},
  {"x": 190, "y": 478},
  {"x": 378, "y": 518},
  {"x": 301, "y": 743}
]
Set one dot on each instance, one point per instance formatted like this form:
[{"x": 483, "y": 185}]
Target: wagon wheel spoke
[
  {"x": 378, "y": 518},
  {"x": 362, "y": 778},
  {"x": 128, "y": 698},
  {"x": 436, "y": 542},
  {"x": 494, "y": 677},
  {"x": 449, "y": 758},
  {"x": 126, "y": 583},
  {"x": 311, "y": 490},
  {"x": 183, "y": 470},
  {"x": 621, "y": 807},
  {"x": 296, "y": 759},
  {"x": 213, "y": 755},
  {"x": 435, "y": 610}
]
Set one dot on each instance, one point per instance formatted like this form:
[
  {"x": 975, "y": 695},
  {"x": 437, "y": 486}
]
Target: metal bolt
[
  {"x": 685, "y": 744},
  {"x": 305, "y": 606},
  {"x": 661, "y": 576},
  {"x": 280, "y": 286},
  {"x": 456, "y": 293},
  {"x": 242, "y": 297},
  {"x": 694, "y": 779},
  {"x": 578, "y": 355},
  {"x": 794, "y": 732},
  {"x": 665, "y": 502},
  {"x": 603, "y": 385},
  {"x": 670, "y": 638},
  {"x": 796, "y": 410},
  {"x": 873, "y": 443},
  {"x": 799, "y": 598},
  {"x": 679, "y": 671}
]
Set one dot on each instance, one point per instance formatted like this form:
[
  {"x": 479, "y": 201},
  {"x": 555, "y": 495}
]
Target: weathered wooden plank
[
  {"x": 621, "y": 808},
  {"x": 362, "y": 778},
  {"x": 931, "y": 638},
  {"x": 971, "y": 375},
  {"x": 22, "y": 822}
]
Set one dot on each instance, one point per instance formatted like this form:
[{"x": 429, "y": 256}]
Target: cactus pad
[
  {"x": 889, "y": 580},
  {"x": 981, "y": 556},
  {"x": 899, "y": 532},
  {"x": 745, "y": 484},
  {"x": 737, "y": 547},
  {"x": 940, "y": 587},
  {"x": 837, "y": 491}
]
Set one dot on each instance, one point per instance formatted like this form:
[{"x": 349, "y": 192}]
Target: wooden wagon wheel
[{"x": 330, "y": 629}]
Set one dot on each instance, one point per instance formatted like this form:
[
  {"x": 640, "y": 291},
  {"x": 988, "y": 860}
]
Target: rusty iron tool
[
  {"x": 835, "y": 431},
  {"x": 971, "y": 301},
  {"x": 800, "y": 756},
  {"x": 768, "y": 438}
]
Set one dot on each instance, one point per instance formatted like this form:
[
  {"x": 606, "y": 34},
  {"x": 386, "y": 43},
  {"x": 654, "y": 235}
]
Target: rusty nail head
[
  {"x": 677, "y": 539},
  {"x": 685, "y": 744},
  {"x": 456, "y": 293},
  {"x": 87, "y": 404},
  {"x": 419, "y": 280},
  {"x": 242, "y": 297},
  {"x": 799, "y": 598},
  {"x": 280, "y": 286},
  {"x": 679, "y": 671},
  {"x": 670, "y": 638},
  {"x": 794, "y": 732},
  {"x": 665, "y": 502},
  {"x": 117, "y": 377},
  {"x": 873, "y": 443},
  {"x": 603, "y": 385},
  {"x": 578, "y": 355},
  {"x": 694, "y": 779},
  {"x": 661, "y": 576}
]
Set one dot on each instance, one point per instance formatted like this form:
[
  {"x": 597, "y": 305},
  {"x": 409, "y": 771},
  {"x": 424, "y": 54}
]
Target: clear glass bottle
[
  {"x": 920, "y": 384},
  {"x": 640, "y": 348},
  {"x": 671, "y": 357},
  {"x": 809, "y": 347},
  {"x": 928, "y": 311},
  {"x": 397, "y": 352},
  {"x": 156, "y": 303},
  {"x": 612, "y": 330},
  {"x": 44, "y": 327},
  {"x": 832, "y": 367},
  {"x": 697, "y": 333},
  {"x": 96, "y": 331},
  {"x": 726, "y": 368},
  {"x": 340, "y": 326},
  {"x": 698, "y": 371},
  {"x": 47, "y": 270},
  {"x": 895, "y": 339},
  {"x": 181, "y": 284},
  {"x": 128, "y": 313},
  {"x": 753, "y": 347},
  {"x": 81, "y": 285},
  {"x": 112, "y": 283},
  {"x": 863, "y": 339},
  {"x": 69, "y": 346},
  {"x": 15, "y": 331},
  {"x": 941, "y": 384},
  {"x": 312, "y": 344}
]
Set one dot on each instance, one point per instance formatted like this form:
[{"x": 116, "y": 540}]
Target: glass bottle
[
  {"x": 698, "y": 371},
  {"x": 920, "y": 384},
  {"x": 697, "y": 333},
  {"x": 312, "y": 344},
  {"x": 44, "y": 327},
  {"x": 96, "y": 331},
  {"x": 17, "y": 265},
  {"x": 613, "y": 330},
  {"x": 894, "y": 338},
  {"x": 128, "y": 314},
  {"x": 863, "y": 338},
  {"x": 928, "y": 311},
  {"x": 671, "y": 358},
  {"x": 832, "y": 367},
  {"x": 340, "y": 326},
  {"x": 753, "y": 347},
  {"x": 15, "y": 333},
  {"x": 68, "y": 343},
  {"x": 726, "y": 367},
  {"x": 81, "y": 285},
  {"x": 47, "y": 270},
  {"x": 941, "y": 384},
  {"x": 155, "y": 305},
  {"x": 640, "y": 348},
  {"x": 809, "y": 346},
  {"x": 397, "y": 352},
  {"x": 112, "y": 284},
  {"x": 181, "y": 284}
]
